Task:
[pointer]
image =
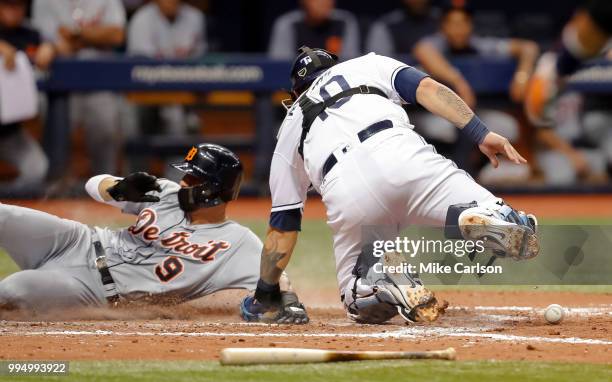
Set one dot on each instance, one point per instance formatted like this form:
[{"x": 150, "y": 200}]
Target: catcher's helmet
[
  {"x": 220, "y": 171},
  {"x": 307, "y": 66}
]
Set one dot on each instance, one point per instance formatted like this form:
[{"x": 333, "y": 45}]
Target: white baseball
[{"x": 554, "y": 314}]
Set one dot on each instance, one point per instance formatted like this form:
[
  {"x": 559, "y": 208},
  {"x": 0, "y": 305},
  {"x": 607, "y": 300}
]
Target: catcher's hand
[
  {"x": 133, "y": 188},
  {"x": 494, "y": 144},
  {"x": 289, "y": 311}
]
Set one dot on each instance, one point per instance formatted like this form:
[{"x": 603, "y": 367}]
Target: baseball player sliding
[
  {"x": 180, "y": 248},
  {"x": 347, "y": 135}
]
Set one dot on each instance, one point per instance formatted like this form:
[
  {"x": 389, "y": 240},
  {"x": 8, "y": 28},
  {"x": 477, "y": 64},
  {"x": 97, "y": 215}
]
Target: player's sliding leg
[
  {"x": 33, "y": 237},
  {"x": 583, "y": 38},
  {"x": 48, "y": 290}
]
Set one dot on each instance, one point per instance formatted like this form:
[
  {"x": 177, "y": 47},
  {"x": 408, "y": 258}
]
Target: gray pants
[{"x": 57, "y": 261}]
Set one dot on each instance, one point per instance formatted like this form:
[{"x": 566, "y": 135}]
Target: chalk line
[{"x": 407, "y": 333}]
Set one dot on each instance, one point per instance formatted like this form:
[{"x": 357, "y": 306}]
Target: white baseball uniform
[{"x": 392, "y": 179}]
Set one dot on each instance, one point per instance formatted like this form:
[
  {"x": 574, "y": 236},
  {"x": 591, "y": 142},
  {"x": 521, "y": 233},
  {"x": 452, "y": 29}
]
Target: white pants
[{"x": 394, "y": 179}]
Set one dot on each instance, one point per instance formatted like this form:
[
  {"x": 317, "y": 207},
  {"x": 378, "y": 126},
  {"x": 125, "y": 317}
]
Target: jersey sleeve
[
  {"x": 398, "y": 79},
  {"x": 288, "y": 179}
]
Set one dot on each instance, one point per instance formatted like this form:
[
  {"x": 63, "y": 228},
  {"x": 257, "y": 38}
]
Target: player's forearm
[
  {"x": 98, "y": 185},
  {"x": 275, "y": 255},
  {"x": 442, "y": 101}
]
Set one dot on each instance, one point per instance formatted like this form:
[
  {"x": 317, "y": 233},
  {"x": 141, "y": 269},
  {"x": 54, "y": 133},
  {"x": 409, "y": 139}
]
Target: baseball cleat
[
  {"x": 542, "y": 91},
  {"x": 506, "y": 232}
]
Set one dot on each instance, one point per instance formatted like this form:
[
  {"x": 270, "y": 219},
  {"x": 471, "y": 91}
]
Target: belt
[
  {"x": 110, "y": 289},
  {"x": 363, "y": 135}
]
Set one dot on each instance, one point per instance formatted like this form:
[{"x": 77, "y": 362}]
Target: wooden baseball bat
[{"x": 249, "y": 356}]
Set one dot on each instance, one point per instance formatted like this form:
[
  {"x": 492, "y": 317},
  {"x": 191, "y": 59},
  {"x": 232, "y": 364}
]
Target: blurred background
[{"x": 131, "y": 85}]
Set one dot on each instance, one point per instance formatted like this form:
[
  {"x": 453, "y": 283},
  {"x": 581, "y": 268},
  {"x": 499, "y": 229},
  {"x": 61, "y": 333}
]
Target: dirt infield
[
  {"x": 499, "y": 325},
  {"x": 480, "y": 325}
]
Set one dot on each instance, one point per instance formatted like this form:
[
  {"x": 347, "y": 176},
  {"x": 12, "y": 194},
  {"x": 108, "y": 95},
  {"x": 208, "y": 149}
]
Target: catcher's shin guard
[
  {"x": 375, "y": 296},
  {"x": 505, "y": 231}
]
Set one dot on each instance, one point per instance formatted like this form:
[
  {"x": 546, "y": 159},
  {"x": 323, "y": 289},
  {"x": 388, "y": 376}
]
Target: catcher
[{"x": 347, "y": 135}]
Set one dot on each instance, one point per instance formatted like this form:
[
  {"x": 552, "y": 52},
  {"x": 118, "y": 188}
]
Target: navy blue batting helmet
[
  {"x": 308, "y": 65},
  {"x": 220, "y": 172}
]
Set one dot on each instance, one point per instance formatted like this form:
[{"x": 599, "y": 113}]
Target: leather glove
[
  {"x": 133, "y": 188},
  {"x": 289, "y": 310}
]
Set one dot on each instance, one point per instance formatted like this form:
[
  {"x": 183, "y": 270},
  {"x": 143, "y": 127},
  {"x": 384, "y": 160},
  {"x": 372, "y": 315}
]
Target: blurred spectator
[
  {"x": 317, "y": 24},
  {"x": 559, "y": 160},
  {"x": 88, "y": 29},
  {"x": 397, "y": 32},
  {"x": 167, "y": 29},
  {"x": 456, "y": 39},
  {"x": 17, "y": 147}
]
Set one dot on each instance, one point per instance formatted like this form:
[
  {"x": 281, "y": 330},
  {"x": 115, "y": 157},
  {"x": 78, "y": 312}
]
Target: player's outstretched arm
[
  {"x": 276, "y": 253},
  {"x": 133, "y": 188},
  {"x": 271, "y": 302},
  {"x": 442, "y": 101}
]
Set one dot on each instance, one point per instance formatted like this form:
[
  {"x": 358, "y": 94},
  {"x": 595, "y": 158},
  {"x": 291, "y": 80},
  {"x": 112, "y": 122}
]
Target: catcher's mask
[
  {"x": 218, "y": 169},
  {"x": 307, "y": 66}
]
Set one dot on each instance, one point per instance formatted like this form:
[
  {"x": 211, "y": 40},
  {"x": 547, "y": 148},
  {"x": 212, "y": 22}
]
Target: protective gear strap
[
  {"x": 311, "y": 110},
  {"x": 313, "y": 56}
]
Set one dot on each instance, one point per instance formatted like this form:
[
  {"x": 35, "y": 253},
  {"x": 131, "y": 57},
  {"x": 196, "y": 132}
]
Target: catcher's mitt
[
  {"x": 289, "y": 311},
  {"x": 377, "y": 296}
]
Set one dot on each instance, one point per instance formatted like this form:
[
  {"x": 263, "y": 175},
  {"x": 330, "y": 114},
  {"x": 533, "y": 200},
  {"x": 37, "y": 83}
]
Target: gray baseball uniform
[{"x": 161, "y": 255}]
